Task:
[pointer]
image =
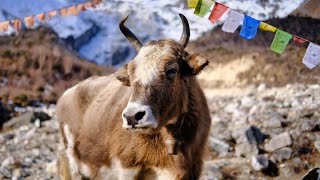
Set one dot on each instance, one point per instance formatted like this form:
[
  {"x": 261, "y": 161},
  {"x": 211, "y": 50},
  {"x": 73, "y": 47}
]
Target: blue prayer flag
[{"x": 249, "y": 28}]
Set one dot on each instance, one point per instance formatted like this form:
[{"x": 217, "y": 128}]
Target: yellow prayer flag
[
  {"x": 267, "y": 27},
  {"x": 16, "y": 24},
  {"x": 41, "y": 17},
  {"x": 192, "y": 3},
  {"x": 72, "y": 10},
  {"x": 52, "y": 13}
]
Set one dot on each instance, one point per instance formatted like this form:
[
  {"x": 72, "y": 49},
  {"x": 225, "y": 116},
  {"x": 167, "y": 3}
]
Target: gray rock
[
  {"x": 259, "y": 162},
  {"x": 254, "y": 135},
  {"x": 282, "y": 154},
  {"x": 245, "y": 149},
  {"x": 25, "y": 119},
  {"x": 11, "y": 163},
  {"x": 247, "y": 102},
  {"x": 231, "y": 107},
  {"x": 211, "y": 171},
  {"x": 278, "y": 141},
  {"x": 317, "y": 145},
  {"x": 218, "y": 145},
  {"x": 308, "y": 125},
  {"x": 274, "y": 122}
]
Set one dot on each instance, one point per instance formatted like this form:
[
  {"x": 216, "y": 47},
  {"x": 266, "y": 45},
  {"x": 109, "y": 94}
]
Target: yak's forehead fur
[{"x": 152, "y": 58}]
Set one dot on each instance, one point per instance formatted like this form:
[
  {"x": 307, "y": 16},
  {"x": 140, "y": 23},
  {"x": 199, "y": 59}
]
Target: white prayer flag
[
  {"x": 312, "y": 57},
  {"x": 233, "y": 21}
]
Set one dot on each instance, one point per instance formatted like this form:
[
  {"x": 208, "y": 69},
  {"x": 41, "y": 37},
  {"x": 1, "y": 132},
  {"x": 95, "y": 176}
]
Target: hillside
[{"x": 35, "y": 66}]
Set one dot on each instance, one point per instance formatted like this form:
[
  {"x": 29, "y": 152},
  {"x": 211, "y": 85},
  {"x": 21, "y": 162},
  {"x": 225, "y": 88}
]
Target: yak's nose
[
  {"x": 134, "y": 119},
  {"x": 137, "y": 115}
]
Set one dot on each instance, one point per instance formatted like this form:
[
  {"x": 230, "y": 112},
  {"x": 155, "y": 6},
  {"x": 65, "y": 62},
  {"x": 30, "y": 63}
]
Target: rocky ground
[{"x": 257, "y": 133}]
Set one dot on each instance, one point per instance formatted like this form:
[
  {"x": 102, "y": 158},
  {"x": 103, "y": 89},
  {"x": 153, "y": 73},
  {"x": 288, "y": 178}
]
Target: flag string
[
  {"x": 16, "y": 22},
  {"x": 250, "y": 27}
]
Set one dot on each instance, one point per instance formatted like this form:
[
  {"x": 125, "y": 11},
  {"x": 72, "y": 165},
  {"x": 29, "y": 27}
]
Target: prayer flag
[
  {"x": 89, "y": 5},
  {"x": 299, "y": 40},
  {"x": 81, "y": 7},
  {"x": 192, "y": 3},
  {"x": 203, "y": 7},
  {"x": 64, "y": 12},
  {"x": 233, "y": 21},
  {"x": 267, "y": 27},
  {"x": 280, "y": 41},
  {"x": 97, "y": 1},
  {"x": 312, "y": 57},
  {"x": 52, "y": 13},
  {"x": 41, "y": 17},
  {"x": 249, "y": 27},
  {"x": 4, "y": 26},
  {"x": 72, "y": 10},
  {"x": 29, "y": 20},
  {"x": 16, "y": 24},
  {"x": 217, "y": 12}
]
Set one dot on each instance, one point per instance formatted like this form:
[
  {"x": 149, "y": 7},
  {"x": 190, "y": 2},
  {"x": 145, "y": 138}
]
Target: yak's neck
[{"x": 187, "y": 123}]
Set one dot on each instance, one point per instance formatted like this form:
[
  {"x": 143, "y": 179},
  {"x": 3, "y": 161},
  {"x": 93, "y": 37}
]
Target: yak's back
[{"x": 75, "y": 102}]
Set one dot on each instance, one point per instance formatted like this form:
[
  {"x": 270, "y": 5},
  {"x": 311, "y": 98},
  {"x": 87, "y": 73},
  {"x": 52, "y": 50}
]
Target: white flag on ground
[
  {"x": 233, "y": 21},
  {"x": 312, "y": 57}
]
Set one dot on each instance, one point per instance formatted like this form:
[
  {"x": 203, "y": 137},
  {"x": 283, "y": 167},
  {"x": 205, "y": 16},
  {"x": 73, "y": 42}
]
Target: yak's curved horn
[
  {"x": 184, "y": 39},
  {"x": 129, "y": 35}
]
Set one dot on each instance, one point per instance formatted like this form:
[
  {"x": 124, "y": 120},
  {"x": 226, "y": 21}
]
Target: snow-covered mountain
[{"x": 94, "y": 34}]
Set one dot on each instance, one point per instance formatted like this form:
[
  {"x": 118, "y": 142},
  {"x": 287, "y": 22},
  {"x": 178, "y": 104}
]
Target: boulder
[{"x": 278, "y": 141}]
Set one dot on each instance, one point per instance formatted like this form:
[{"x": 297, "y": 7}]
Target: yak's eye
[{"x": 171, "y": 73}]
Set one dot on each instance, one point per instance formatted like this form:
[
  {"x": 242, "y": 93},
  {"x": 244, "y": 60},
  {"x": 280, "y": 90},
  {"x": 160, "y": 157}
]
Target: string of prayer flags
[
  {"x": 312, "y": 57},
  {"x": 203, "y": 7},
  {"x": 218, "y": 10},
  {"x": 299, "y": 40},
  {"x": 52, "y": 13},
  {"x": 233, "y": 21},
  {"x": 192, "y": 3},
  {"x": 280, "y": 41},
  {"x": 29, "y": 21},
  {"x": 16, "y": 24},
  {"x": 4, "y": 26},
  {"x": 41, "y": 17},
  {"x": 267, "y": 27},
  {"x": 249, "y": 27},
  {"x": 72, "y": 10}
]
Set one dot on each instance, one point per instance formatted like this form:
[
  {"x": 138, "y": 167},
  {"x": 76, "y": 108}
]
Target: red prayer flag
[
  {"x": 217, "y": 12},
  {"x": 63, "y": 11},
  {"x": 299, "y": 40}
]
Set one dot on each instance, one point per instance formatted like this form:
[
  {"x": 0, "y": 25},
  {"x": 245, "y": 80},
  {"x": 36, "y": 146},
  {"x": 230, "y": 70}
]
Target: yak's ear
[
  {"x": 196, "y": 63},
  {"x": 122, "y": 75}
]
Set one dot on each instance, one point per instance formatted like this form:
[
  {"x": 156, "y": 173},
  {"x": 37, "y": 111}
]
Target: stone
[
  {"x": 52, "y": 167},
  {"x": 25, "y": 119},
  {"x": 218, "y": 145},
  {"x": 317, "y": 145},
  {"x": 274, "y": 122},
  {"x": 282, "y": 154},
  {"x": 262, "y": 87},
  {"x": 245, "y": 149},
  {"x": 259, "y": 162},
  {"x": 231, "y": 107},
  {"x": 211, "y": 171},
  {"x": 308, "y": 125},
  {"x": 278, "y": 141},
  {"x": 247, "y": 102},
  {"x": 254, "y": 135},
  {"x": 11, "y": 163}
]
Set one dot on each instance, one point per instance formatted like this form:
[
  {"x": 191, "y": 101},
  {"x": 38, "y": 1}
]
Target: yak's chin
[{"x": 143, "y": 130}]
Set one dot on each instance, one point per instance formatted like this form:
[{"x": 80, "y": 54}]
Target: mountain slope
[{"x": 95, "y": 35}]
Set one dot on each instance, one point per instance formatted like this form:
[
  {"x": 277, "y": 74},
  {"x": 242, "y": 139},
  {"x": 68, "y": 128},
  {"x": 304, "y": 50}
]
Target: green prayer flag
[
  {"x": 192, "y": 3},
  {"x": 203, "y": 7},
  {"x": 280, "y": 41}
]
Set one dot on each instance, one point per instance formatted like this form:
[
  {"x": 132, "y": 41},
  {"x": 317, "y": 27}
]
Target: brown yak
[{"x": 149, "y": 120}]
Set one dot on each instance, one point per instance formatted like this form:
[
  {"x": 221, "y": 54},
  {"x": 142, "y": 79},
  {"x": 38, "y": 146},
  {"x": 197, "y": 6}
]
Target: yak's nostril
[{"x": 139, "y": 115}]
